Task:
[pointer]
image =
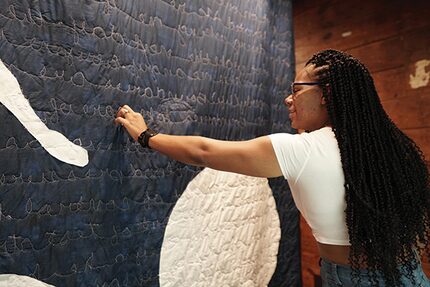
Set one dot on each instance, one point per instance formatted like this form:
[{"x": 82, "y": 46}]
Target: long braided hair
[{"x": 386, "y": 179}]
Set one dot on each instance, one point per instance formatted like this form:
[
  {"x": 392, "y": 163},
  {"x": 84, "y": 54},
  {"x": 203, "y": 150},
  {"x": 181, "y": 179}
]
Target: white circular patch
[{"x": 223, "y": 231}]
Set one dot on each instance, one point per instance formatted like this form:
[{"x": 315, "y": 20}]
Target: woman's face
[{"x": 305, "y": 103}]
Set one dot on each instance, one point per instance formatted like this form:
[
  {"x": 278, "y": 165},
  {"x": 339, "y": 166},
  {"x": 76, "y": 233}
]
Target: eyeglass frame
[{"x": 293, "y": 94}]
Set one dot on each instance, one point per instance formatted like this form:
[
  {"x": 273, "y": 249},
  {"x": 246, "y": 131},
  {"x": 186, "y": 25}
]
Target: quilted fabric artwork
[
  {"x": 223, "y": 231},
  {"x": 83, "y": 205}
]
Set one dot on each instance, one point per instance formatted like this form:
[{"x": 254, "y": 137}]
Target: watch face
[{"x": 150, "y": 132}]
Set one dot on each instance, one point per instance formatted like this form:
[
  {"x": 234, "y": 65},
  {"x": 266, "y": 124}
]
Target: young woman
[{"x": 361, "y": 184}]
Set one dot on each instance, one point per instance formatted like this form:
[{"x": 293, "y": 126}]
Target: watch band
[{"x": 144, "y": 137}]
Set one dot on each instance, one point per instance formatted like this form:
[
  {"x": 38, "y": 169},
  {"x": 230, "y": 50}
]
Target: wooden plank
[
  {"x": 422, "y": 139},
  {"x": 377, "y": 56},
  {"x": 414, "y": 14},
  {"x": 392, "y": 74},
  {"x": 410, "y": 112},
  {"x": 426, "y": 269},
  {"x": 416, "y": 43},
  {"x": 374, "y": 41},
  {"x": 400, "y": 50},
  {"x": 302, "y": 6},
  {"x": 309, "y": 254},
  {"x": 344, "y": 26},
  {"x": 390, "y": 84},
  {"x": 308, "y": 242}
]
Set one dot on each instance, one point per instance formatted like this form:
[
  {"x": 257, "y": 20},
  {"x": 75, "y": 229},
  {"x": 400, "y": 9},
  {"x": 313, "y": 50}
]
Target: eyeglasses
[{"x": 293, "y": 93}]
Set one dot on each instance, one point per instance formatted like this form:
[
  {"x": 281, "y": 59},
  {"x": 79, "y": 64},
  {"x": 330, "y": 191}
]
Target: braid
[{"x": 386, "y": 179}]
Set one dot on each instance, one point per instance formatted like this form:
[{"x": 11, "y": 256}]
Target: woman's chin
[
  {"x": 298, "y": 127},
  {"x": 294, "y": 124}
]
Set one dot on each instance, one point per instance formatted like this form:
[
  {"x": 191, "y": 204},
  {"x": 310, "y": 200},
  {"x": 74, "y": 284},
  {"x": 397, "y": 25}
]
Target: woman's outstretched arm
[{"x": 254, "y": 157}]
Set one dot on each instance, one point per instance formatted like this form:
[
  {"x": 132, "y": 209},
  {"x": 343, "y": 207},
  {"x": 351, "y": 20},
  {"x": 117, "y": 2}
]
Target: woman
[{"x": 360, "y": 183}]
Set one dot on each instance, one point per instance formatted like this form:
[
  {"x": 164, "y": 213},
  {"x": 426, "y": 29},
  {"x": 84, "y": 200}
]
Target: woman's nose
[{"x": 288, "y": 101}]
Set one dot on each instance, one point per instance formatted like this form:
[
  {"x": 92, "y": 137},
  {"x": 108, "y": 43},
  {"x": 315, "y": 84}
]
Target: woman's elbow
[
  {"x": 202, "y": 155},
  {"x": 201, "y": 158}
]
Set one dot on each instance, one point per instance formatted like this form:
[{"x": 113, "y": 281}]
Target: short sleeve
[{"x": 292, "y": 153}]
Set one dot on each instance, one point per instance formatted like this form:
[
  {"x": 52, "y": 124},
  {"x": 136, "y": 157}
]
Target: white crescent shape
[
  {"x": 14, "y": 280},
  {"x": 53, "y": 142}
]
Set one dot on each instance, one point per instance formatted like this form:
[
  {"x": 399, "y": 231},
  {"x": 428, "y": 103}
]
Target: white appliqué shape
[
  {"x": 53, "y": 142},
  {"x": 223, "y": 231},
  {"x": 14, "y": 280}
]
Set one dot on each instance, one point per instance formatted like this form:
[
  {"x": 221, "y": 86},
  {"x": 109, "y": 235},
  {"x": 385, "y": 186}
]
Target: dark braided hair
[{"x": 387, "y": 188}]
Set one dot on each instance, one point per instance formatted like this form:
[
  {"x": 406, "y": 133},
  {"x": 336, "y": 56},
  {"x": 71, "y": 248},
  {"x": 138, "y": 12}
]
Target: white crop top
[{"x": 311, "y": 164}]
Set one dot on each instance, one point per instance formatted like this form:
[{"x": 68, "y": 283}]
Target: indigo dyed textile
[{"x": 213, "y": 68}]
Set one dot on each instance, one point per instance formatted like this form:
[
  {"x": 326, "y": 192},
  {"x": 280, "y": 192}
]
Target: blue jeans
[{"x": 333, "y": 274}]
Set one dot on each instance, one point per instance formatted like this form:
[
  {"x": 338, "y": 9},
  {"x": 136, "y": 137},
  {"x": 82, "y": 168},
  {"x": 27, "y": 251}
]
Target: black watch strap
[{"x": 144, "y": 137}]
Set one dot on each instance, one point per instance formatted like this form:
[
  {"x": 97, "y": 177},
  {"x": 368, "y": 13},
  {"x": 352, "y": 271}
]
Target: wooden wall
[{"x": 392, "y": 38}]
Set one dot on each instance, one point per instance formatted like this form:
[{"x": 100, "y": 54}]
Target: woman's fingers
[
  {"x": 121, "y": 121},
  {"x": 124, "y": 111},
  {"x": 321, "y": 71},
  {"x": 127, "y": 108},
  {"x": 132, "y": 121},
  {"x": 121, "y": 112}
]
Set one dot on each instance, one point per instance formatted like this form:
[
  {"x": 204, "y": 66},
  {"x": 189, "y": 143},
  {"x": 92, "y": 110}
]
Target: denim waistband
[{"x": 334, "y": 274}]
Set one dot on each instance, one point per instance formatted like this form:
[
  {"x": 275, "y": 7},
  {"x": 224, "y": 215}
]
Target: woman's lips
[
  {"x": 292, "y": 111},
  {"x": 291, "y": 115}
]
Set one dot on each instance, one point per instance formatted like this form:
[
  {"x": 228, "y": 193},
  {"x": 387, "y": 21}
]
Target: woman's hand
[{"x": 132, "y": 121}]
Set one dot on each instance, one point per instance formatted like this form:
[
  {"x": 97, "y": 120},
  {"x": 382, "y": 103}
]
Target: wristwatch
[{"x": 144, "y": 137}]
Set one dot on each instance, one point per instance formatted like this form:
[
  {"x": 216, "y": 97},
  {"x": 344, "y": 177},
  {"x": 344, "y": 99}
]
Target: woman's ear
[
  {"x": 323, "y": 101},
  {"x": 326, "y": 94}
]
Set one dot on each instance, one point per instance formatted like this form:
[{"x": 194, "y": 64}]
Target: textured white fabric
[
  {"x": 223, "y": 231},
  {"x": 14, "y": 280},
  {"x": 311, "y": 163},
  {"x": 52, "y": 141}
]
